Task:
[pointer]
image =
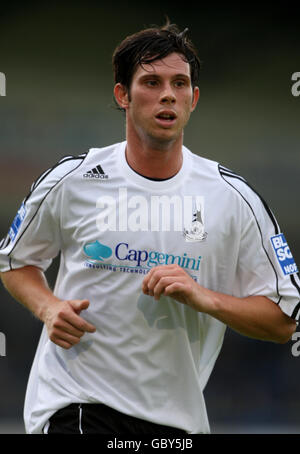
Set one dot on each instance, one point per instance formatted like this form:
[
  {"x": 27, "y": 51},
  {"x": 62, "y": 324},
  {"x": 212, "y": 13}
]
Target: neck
[{"x": 154, "y": 159}]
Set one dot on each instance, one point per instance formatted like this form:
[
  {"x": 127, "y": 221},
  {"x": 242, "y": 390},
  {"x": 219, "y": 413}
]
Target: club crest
[{"x": 195, "y": 231}]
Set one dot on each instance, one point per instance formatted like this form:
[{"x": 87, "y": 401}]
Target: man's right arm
[{"x": 29, "y": 286}]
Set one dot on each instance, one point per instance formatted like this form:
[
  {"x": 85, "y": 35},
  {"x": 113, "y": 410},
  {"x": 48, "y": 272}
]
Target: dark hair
[{"x": 152, "y": 44}]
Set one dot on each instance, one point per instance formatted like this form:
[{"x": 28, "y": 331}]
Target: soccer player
[{"x": 160, "y": 250}]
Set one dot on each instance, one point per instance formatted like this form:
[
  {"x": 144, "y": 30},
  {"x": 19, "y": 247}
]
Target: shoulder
[
  {"x": 57, "y": 173},
  {"x": 248, "y": 196},
  {"x": 224, "y": 179},
  {"x": 69, "y": 166},
  {"x": 233, "y": 189},
  {"x": 239, "y": 185}
]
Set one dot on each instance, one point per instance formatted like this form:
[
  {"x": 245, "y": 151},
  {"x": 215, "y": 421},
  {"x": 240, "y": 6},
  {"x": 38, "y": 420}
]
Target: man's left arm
[{"x": 253, "y": 316}]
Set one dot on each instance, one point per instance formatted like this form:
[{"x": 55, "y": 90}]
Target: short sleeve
[
  {"x": 265, "y": 263},
  {"x": 34, "y": 236}
]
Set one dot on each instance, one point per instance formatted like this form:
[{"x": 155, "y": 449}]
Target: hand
[
  {"x": 173, "y": 281},
  {"x": 64, "y": 325}
]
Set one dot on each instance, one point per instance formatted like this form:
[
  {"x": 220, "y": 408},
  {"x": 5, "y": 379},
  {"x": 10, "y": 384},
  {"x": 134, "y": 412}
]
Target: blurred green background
[{"x": 57, "y": 61}]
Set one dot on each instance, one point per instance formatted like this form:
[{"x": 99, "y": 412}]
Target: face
[{"x": 161, "y": 100}]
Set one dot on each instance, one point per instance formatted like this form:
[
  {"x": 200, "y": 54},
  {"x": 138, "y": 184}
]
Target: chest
[{"x": 120, "y": 227}]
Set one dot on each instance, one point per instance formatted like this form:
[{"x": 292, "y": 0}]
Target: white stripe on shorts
[{"x": 80, "y": 419}]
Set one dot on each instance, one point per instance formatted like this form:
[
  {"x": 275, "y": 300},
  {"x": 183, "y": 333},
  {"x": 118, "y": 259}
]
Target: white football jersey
[{"x": 149, "y": 359}]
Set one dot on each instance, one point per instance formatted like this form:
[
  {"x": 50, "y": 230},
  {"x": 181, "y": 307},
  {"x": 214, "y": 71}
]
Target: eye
[
  {"x": 180, "y": 83},
  {"x": 151, "y": 82}
]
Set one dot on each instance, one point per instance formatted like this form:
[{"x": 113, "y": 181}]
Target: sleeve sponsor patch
[
  {"x": 283, "y": 254},
  {"x": 16, "y": 224}
]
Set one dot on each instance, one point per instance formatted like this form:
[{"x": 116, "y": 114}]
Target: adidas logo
[{"x": 96, "y": 172}]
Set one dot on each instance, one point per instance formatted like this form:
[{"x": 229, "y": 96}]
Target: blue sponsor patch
[
  {"x": 13, "y": 231},
  {"x": 283, "y": 254}
]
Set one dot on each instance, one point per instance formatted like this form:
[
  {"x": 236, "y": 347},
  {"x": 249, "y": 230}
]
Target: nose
[{"x": 167, "y": 95}]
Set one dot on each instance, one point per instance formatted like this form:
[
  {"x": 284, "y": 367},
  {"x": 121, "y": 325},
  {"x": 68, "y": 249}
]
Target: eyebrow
[{"x": 158, "y": 76}]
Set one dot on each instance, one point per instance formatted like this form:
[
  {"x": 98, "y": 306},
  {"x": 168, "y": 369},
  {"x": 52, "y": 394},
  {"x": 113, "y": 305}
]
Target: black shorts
[{"x": 100, "y": 419}]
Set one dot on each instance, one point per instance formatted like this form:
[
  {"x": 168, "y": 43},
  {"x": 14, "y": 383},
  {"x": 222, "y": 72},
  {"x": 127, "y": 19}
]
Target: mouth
[{"x": 166, "y": 118}]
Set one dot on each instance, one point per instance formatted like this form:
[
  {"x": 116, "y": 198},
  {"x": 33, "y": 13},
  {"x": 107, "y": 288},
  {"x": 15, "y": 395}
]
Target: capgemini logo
[
  {"x": 2, "y": 84},
  {"x": 2, "y": 344},
  {"x": 97, "y": 251}
]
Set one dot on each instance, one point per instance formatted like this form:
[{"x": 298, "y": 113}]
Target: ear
[
  {"x": 196, "y": 95},
  {"x": 121, "y": 95}
]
